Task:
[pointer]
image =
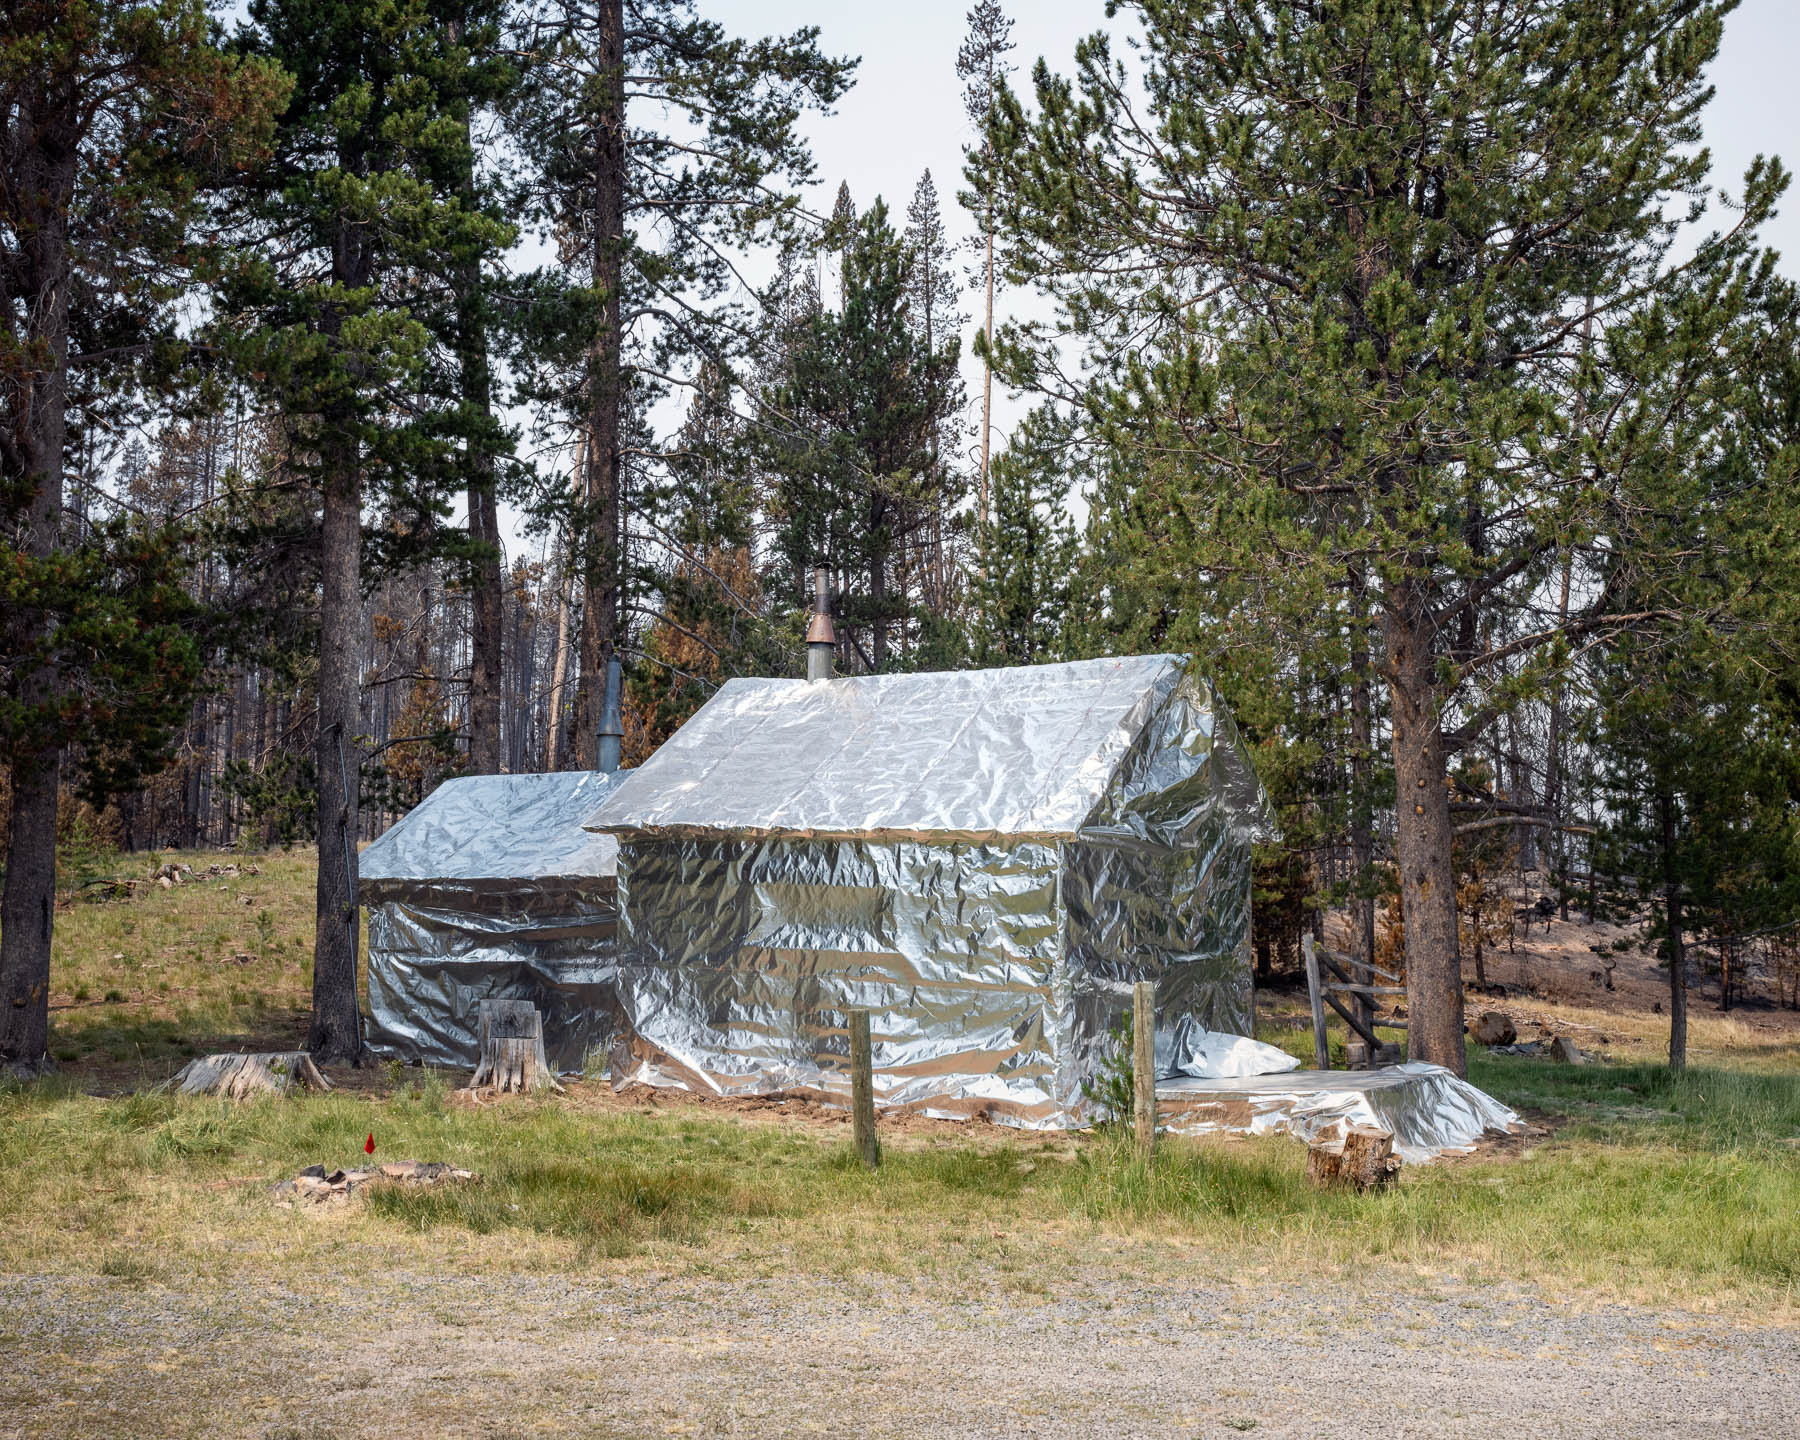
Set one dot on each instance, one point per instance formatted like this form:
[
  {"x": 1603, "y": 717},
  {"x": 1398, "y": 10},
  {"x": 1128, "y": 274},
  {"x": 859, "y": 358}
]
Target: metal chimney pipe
[
  {"x": 821, "y": 639},
  {"x": 611, "y": 730}
]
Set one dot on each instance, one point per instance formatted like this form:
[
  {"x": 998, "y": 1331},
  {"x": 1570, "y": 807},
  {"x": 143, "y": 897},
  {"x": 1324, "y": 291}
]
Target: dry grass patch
[
  {"x": 1652, "y": 1186},
  {"x": 142, "y": 981},
  {"x": 1655, "y": 1188}
]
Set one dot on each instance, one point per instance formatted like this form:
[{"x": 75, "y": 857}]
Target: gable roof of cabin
[
  {"x": 495, "y": 830},
  {"x": 1024, "y": 752}
]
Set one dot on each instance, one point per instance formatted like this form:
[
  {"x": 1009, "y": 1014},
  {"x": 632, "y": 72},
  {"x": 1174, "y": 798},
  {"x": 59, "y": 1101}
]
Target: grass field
[{"x": 1645, "y": 1186}]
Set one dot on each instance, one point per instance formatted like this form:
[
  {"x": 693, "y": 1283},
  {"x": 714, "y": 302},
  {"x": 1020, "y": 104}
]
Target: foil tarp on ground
[
  {"x": 987, "y": 861},
  {"x": 491, "y": 888},
  {"x": 1427, "y": 1109}
]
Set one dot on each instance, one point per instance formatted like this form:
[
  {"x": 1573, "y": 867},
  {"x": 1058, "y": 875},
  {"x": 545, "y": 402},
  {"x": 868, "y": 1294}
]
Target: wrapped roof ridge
[{"x": 1027, "y": 752}]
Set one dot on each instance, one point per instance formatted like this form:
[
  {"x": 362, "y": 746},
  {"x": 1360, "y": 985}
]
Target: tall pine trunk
[
  {"x": 602, "y": 562},
  {"x": 987, "y": 381},
  {"x": 39, "y": 404},
  {"x": 487, "y": 590},
  {"x": 335, "y": 1036},
  {"x": 1422, "y": 848},
  {"x": 1674, "y": 919},
  {"x": 336, "y": 1033},
  {"x": 487, "y": 596},
  {"x": 559, "y": 669},
  {"x": 1362, "y": 819}
]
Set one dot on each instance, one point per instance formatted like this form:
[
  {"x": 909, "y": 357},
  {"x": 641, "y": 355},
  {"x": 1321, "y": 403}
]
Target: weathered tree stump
[
  {"x": 512, "y": 1049},
  {"x": 1362, "y": 1160},
  {"x": 240, "y": 1076}
]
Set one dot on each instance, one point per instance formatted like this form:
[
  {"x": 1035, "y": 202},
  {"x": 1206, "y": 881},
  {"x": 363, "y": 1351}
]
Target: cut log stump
[
  {"x": 1362, "y": 1160},
  {"x": 240, "y": 1076},
  {"x": 512, "y": 1049}
]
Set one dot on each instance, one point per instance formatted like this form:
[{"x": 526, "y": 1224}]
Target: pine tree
[
  {"x": 981, "y": 65},
  {"x": 647, "y": 220},
  {"x": 115, "y": 116},
  {"x": 347, "y": 222},
  {"x": 1697, "y": 715},
  {"x": 934, "y": 309},
  {"x": 848, "y": 438},
  {"x": 1022, "y": 598},
  {"x": 1330, "y": 306},
  {"x": 709, "y": 622},
  {"x": 472, "y": 77}
]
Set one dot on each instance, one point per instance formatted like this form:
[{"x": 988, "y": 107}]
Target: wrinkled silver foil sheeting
[
  {"x": 987, "y": 995},
  {"x": 1427, "y": 1109},
  {"x": 492, "y": 831},
  {"x": 1136, "y": 746},
  {"x": 433, "y": 960},
  {"x": 986, "y": 861},
  {"x": 491, "y": 888}
]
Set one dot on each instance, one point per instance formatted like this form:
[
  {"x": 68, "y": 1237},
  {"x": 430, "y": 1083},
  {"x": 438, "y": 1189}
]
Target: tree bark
[
  {"x": 602, "y": 561},
  {"x": 1672, "y": 914},
  {"x": 878, "y": 591},
  {"x": 987, "y": 378},
  {"x": 1362, "y": 818},
  {"x": 559, "y": 669},
  {"x": 1422, "y": 849},
  {"x": 1553, "y": 768},
  {"x": 38, "y": 402},
  {"x": 336, "y": 1033},
  {"x": 486, "y": 587},
  {"x": 27, "y": 913},
  {"x": 487, "y": 627},
  {"x": 1362, "y": 1160}
]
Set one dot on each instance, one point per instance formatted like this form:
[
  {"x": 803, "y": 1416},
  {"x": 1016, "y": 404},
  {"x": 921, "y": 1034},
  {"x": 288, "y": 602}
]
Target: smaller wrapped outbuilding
[
  {"x": 491, "y": 888},
  {"x": 984, "y": 860}
]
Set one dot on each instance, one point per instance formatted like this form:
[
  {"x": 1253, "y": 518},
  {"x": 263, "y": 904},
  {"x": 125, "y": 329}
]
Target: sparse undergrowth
[{"x": 141, "y": 983}]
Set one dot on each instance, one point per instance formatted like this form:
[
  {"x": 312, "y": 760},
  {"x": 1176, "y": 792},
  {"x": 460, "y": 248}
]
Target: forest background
[{"x": 408, "y": 367}]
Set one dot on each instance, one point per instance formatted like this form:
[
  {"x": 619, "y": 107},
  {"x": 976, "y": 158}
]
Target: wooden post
[
  {"x": 1316, "y": 988},
  {"x": 862, "y": 1090},
  {"x": 1143, "y": 1067}
]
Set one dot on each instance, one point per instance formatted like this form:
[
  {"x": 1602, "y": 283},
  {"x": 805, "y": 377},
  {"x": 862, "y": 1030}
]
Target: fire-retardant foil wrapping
[
  {"x": 986, "y": 861},
  {"x": 491, "y": 888},
  {"x": 1426, "y": 1108}
]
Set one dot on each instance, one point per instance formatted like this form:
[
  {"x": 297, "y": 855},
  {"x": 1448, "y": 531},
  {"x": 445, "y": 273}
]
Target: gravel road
[{"x": 647, "y": 1354}]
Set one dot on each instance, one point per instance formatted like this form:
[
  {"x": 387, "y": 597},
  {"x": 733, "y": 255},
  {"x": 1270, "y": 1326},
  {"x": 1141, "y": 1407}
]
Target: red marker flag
[{"x": 369, "y": 1144}]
